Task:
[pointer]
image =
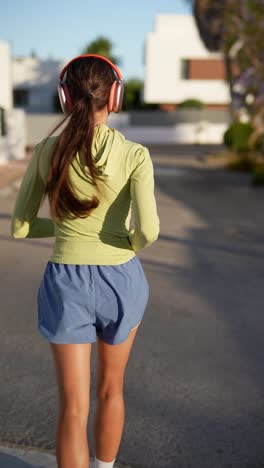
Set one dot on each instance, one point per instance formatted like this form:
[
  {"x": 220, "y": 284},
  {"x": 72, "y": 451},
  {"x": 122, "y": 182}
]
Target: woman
[{"x": 94, "y": 288}]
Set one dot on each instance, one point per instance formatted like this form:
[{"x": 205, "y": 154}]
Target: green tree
[
  {"x": 133, "y": 87},
  {"x": 34, "y": 53},
  {"x": 133, "y": 96},
  {"x": 102, "y": 46}
]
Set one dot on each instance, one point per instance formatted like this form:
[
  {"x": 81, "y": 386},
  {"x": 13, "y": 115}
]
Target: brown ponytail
[{"x": 89, "y": 81}]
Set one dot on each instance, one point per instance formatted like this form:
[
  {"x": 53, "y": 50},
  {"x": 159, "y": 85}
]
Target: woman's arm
[
  {"x": 147, "y": 223},
  {"x": 24, "y": 221}
]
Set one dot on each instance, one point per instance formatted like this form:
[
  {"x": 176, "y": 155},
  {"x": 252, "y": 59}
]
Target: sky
[{"x": 61, "y": 29}]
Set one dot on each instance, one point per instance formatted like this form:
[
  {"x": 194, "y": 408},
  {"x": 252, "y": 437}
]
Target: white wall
[
  {"x": 175, "y": 37},
  {"x": 16, "y": 134},
  {"x": 40, "y": 78},
  {"x": 12, "y": 146},
  {"x": 6, "y": 95},
  {"x": 38, "y": 126},
  {"x": 182, "y": 133},
  {"x": 32, "y": 72}
]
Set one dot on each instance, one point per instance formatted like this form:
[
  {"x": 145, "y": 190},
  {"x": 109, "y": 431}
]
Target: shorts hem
[
  {"x": 122, "y": 340},
  {"x": 50, "y": 339}
]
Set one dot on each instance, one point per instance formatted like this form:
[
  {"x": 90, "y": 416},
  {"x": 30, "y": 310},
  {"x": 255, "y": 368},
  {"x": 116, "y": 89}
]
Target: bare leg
[
  {"x": 110, "y": 409},
  {"x": 72, "y": 364}
]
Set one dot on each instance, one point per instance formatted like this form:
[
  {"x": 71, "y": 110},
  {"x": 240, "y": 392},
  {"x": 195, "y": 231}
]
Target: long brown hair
[{"x": 89, "y": 81}]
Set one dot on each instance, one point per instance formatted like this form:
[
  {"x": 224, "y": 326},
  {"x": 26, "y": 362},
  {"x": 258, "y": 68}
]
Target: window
[
  {"x": 202, "y": 69},
  {"x": 206, "y": 69},
  {"x": 3, "y": 129},
  {"x": 21, "y": 97},
  {"x": 184, "y": 69}
]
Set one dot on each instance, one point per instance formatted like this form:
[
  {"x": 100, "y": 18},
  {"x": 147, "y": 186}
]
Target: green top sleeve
[
  {"x": 24, "y": 221},
  {"x": 147, "y": 223}
]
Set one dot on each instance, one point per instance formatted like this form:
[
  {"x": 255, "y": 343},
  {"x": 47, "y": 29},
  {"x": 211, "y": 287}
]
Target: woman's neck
[{"x": 101, "y": 117}]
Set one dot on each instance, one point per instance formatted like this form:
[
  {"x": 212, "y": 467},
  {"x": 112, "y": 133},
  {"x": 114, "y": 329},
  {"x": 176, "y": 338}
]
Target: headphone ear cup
[
  {"x": 65, "y": 98},
  {"x": 116, "y": 96}
]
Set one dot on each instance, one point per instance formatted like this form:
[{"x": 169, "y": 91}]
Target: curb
[{"x": 30, "y": 457}]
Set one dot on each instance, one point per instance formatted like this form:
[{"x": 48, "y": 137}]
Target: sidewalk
[
  {"x": 10, "y": 173},
  {"x": 13, "y": 457}
]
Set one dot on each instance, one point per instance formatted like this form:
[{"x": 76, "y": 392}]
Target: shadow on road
[{"x": 10, "y": 461}]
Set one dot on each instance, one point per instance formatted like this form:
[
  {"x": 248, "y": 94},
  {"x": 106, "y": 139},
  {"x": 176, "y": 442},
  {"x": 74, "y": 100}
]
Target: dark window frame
[
  {"x": 185, "y": 72},
  {"x": 21, "y": 97}
]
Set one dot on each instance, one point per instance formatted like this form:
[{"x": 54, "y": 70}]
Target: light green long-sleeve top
[{"x": 104, "y": 237}]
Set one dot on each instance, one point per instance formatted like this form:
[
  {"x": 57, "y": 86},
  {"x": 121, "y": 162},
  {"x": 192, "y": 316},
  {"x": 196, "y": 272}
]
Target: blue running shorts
[{"x": 77, "y": 303}]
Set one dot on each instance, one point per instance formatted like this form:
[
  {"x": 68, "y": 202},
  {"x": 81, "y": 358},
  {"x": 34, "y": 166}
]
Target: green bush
[
  {"x": 258, "y": 175},
  {"x": 228, "y": 139},
  {"x": 191, "y": 103},
  {"x": 237, "y": 136}
]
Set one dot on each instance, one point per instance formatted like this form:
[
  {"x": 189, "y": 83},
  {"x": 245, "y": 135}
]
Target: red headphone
[{"x": 116, "y": 93}]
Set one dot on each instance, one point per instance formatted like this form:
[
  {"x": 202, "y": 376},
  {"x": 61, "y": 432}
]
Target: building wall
[
  {"x": 35, "y": 83},
  {"x": 6, "y": 101},
  {"x": 174, "y": 41},
  {"x": 183, "y": 126}
]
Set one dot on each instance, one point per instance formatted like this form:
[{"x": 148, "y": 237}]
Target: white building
[
  {"x": 35, "y": 84},
  {"x": 12, "y": 121},
  {"x": 179, "y": 67},
  {"x": 6, "y": 99}
]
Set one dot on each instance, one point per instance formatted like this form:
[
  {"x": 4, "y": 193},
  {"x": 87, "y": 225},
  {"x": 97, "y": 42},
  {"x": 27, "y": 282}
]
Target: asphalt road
[{"x": 194, "y": 387}]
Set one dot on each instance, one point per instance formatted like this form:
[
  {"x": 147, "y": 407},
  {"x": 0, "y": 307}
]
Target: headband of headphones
[
  {"x": 116, "y": 93},
  {"x": 91, "y": 55}
]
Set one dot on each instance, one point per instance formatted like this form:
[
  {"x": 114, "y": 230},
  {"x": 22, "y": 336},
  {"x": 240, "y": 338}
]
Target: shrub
[
  {"x": 258, "y": 175},
  {"x": 237, "y": 136},
  {"x": 191, "y": 103}
]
